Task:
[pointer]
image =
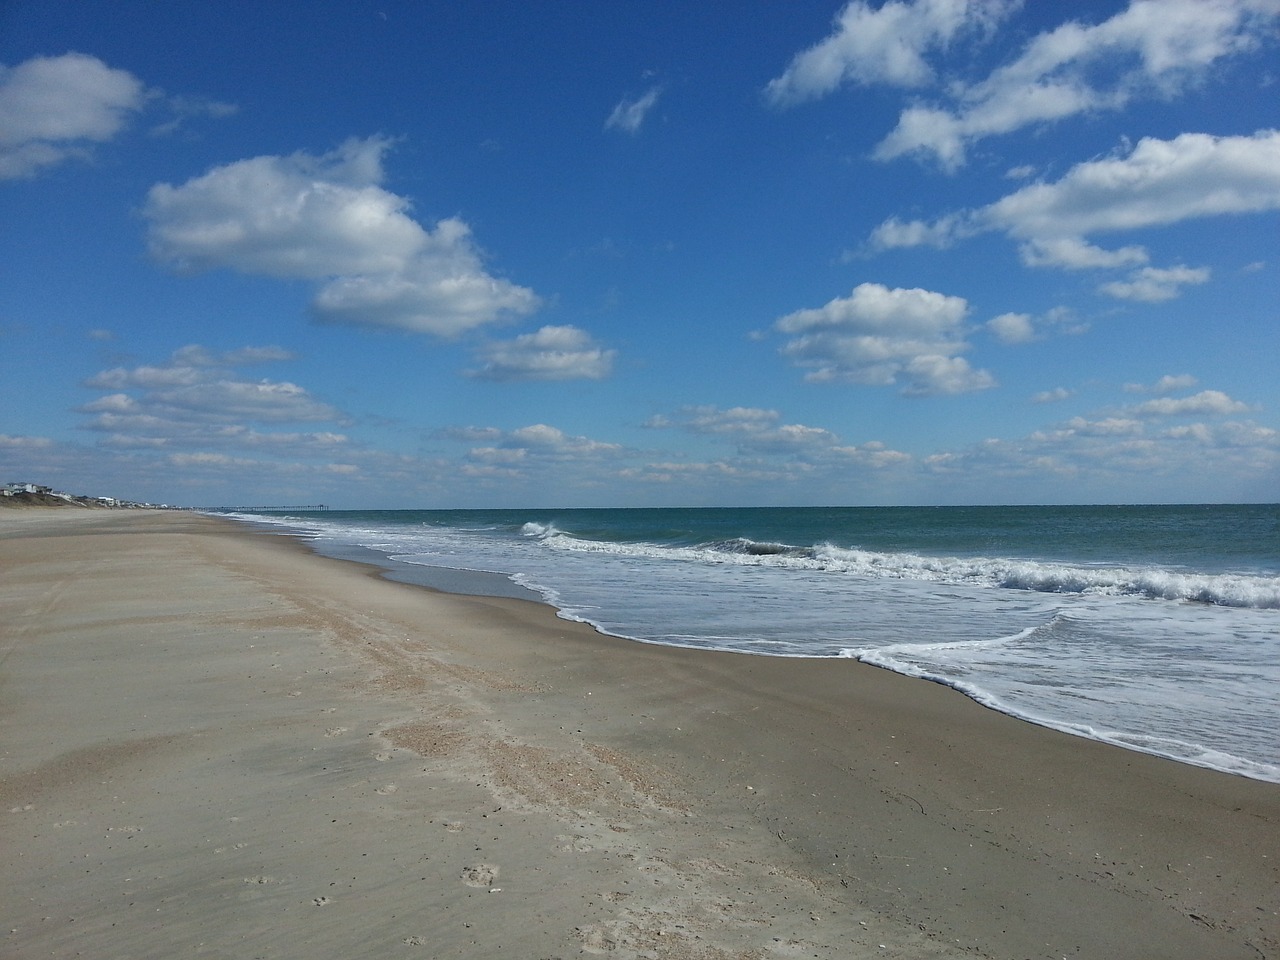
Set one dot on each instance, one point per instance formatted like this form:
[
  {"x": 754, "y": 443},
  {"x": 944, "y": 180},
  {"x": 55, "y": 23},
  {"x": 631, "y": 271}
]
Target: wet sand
[{"x": 215, "y": 743}]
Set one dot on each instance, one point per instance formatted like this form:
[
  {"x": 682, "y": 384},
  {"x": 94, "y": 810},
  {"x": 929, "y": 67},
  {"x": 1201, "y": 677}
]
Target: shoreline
[
  {"x": 489, "y": 582},
  {"x": 635, "y": 800}
]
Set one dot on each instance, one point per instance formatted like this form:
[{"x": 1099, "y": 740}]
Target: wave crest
[{"x": 1232, "y": 590}]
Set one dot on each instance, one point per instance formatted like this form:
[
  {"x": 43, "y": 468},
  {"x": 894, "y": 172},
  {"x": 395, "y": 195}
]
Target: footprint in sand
[
  {"x": 335, "y": 731},
  {"x": 455, "y": 826},
  {"x": 574, "y": 844},
  {"x": 595, "y": 940},
  {"x": 382, "y": 757},
  {"x": 386, "y": 791},
  {"x": 480, "y": 875}
]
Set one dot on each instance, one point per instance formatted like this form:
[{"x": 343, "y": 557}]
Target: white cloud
[
  {"x": 754, "y": 429},
  {"x": 895, "y": 233},
  {"x": 1157, "y": 183},
  {"x": 327, "y": 219},
  {"x": 1056, "y": 395},
  {"x": 873, "y": 454},
  {"x": 522, "y": 453},
  {"x": 629, "y": 115},
  {"x": 52, "y": 108},
  {"x": 880, "y": 336},
  {"x": 1107, "y": 427},
  {"x": 1153, "y": 48},
  {"x": 263, "y": 401},
  {"x": 551, "y": 353},
  {"x": 1154, "y": 285},
  {"x": 760, "y": 432},
  {"x": 1204, "y": 403},
  {"x": 197, "y": 399},
  {"x": 184, "y": 108},
  {"x": 13, "y": 443},
  {"x": 713, "y": 420},
  {"x": 1117, "y": 459},
  {"x": 1169, "y": 383},
  {"x": 221, "y": 460},
  {"x": 883, "y": 45},
  {"x": 1012, "y": 328},
  {"x": 1073, "y": 253}
]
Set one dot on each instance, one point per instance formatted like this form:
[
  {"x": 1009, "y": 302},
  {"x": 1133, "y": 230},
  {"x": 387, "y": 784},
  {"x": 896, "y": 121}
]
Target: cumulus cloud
[
  {"x": 551, "y": 353},
  {"x": 881, "y": 45},
  {"x": 880, "y": 336},
  {"x": 1152, "y": 48},
  {"x": 1155, "y": 184},
  {"x": 1012, "y": 328},
  {"x": 327, "y": 219},
  {"x": 1154, "y": 285},
  {"x": 759, "y": 431},
  {"x": 752, "y": 428},
  {"x": 1204, "y": 403},
  {"x": 629, "y": 115},
  {"x": 523, "y": 452},
  {"x": 708, "y": 419},
  {"x": 942, "y": 233},
  {"x": 198, "y": 399},
  {"x": 1073, "y": 253},
  {"x": 52, "y": 108},
  {"x": 1121, "y": 457}
]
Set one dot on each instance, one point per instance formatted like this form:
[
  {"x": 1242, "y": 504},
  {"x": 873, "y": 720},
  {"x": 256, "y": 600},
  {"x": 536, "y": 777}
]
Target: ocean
[{"x": 1155, "y": 628}]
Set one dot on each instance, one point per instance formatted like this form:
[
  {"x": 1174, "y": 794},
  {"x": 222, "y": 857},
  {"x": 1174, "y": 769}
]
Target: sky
[{"x": 450, "y": 253}]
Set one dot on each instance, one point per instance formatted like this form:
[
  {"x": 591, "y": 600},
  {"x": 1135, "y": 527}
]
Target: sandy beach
[{"x": 215, "y": 743}]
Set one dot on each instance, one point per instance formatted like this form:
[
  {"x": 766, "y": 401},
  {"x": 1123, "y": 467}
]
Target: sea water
[{"x": 1155, "y": 628}]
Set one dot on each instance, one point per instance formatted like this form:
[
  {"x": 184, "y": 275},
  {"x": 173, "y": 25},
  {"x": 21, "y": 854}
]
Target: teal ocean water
[{"x": 1155, "y": 628}]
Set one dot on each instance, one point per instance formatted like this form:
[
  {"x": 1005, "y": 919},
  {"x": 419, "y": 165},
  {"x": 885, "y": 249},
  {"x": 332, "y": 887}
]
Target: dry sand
[{"x": 216, "y": 744}]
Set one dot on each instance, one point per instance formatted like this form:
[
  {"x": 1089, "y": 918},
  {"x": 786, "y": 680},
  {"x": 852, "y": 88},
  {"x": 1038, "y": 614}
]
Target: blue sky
[{"x": 418, "y": 254}]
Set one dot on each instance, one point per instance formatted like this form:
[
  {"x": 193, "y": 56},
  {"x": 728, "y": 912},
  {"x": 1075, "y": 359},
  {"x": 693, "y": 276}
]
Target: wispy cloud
[
  {"x": 629, "y": 115},
  {"x": 885, "y": 45},
  {"x": 1151, "y": 49}
]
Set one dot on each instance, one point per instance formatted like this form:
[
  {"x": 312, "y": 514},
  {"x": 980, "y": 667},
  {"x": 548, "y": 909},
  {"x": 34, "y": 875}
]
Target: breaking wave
[{"x": 1154, "y": 583}]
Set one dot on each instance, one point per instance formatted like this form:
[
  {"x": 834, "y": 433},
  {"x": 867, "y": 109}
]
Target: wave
[
  {"x": 899, "y": 659},
  {"x": 1152, "y": 583}
]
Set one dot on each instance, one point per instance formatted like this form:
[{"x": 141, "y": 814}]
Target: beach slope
[{"x": 214, "y": 743}]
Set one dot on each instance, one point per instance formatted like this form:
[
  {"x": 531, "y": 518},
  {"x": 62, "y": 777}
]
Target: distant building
[{"x": 12, "y": 489}]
